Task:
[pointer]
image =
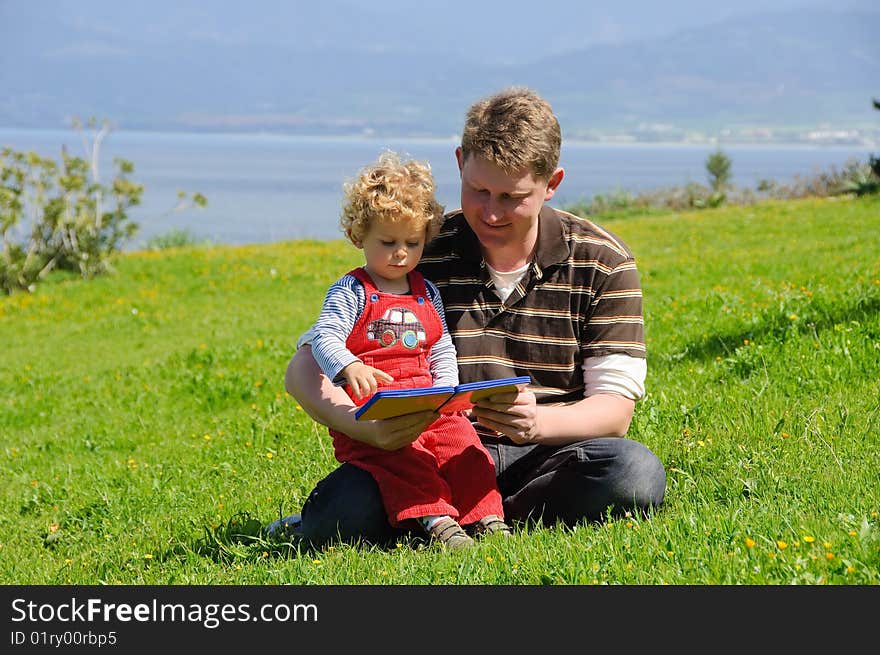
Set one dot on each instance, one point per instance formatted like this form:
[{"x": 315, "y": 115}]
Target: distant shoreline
[{"x": 610, "y": 141}]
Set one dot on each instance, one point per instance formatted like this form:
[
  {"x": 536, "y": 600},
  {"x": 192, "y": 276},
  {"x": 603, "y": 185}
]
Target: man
[{"x": 528, "y": 290}]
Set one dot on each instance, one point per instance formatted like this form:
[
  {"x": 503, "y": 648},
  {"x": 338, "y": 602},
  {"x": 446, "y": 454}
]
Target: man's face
[{"x": 502, "y": 208}]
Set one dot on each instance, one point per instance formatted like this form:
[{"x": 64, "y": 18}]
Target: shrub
[
  {"x": 718, "y": 166},
  {"x": 854, "y": 177},
  {"x": 175, "y": 238},
  {"x": 60, "y": 216}
]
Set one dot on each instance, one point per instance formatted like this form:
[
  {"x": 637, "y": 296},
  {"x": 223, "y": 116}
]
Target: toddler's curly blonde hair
[{"x": 393, "y": 190}]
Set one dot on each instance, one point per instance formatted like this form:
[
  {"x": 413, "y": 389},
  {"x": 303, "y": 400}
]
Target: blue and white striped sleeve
[
  {"x": 342, "y": 305},
  {"x": 442, "y": 359}
]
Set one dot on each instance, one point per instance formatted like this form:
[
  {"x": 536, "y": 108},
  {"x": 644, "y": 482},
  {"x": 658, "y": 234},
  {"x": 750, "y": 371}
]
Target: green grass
[{"x": 145, "y": 433}]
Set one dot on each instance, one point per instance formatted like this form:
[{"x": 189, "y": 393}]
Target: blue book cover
[{"x": 446, "y": 400}]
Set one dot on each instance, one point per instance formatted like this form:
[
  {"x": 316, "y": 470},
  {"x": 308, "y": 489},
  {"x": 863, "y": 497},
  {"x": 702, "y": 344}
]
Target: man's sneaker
[
  {"x": 287, "y": 528},
  {"x": 450, "y": 534},
  {"x": 491, "y": 525}
]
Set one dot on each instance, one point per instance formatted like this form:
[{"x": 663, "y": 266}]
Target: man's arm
[
  {"x": 612, "y": 385},
  {"x": 521, "y": 419},
  {"x": 330, "y": 405}
]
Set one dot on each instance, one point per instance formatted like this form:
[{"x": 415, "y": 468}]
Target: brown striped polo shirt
[{"x": 580, "y": 298}]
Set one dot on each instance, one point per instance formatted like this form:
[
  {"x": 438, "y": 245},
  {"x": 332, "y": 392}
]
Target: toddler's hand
[{"x": 363, "y": 379}]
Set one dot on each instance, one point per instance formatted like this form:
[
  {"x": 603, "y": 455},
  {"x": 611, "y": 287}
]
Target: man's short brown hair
[{"x": 514, "y": 129}]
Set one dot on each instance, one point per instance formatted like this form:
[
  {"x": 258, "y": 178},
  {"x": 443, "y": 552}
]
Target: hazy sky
[
  {"x": 152, "y": 62},
  {"x": 495, "y": 28}
]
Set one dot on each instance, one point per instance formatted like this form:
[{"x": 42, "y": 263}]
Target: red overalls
[{"x": 446, "y": 471}]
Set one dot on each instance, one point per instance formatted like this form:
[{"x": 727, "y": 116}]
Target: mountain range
[{"x": 338, "y": 67}]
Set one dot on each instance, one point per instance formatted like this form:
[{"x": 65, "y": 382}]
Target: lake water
[{"x": 266, "y": 187}]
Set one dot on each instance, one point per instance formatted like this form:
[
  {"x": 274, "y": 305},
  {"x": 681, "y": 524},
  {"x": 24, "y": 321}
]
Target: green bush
[
  {"x": 853, "y": 177},
  {"x": 175, "y": 238},
  {"x": 718, "y": 166},
  {"x": 58, "y": 216}
]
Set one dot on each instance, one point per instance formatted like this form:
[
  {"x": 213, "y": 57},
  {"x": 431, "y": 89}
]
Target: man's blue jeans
[{"x": 583, "y": 481}]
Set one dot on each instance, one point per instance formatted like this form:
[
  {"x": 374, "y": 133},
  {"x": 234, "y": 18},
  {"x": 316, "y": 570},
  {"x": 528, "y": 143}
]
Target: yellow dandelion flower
[
  {"x": 809, "y": 539},
  {"x": 850, "y": 569},
  {"x": 269, "y": 455},
  {"x": 829, "y": 556},
  {"x": 207, "y": 437},
  {"x": 35, "y": 483},
  {"x": 148, "y": 556},
  {"x": 785, "y": 435},
  {"x": 68, "y": 561},
  {"x": 793, "y": 317},
  {"x": 782, "y": 545},
  {"x": 316, "y": 561},
  {"x": 265, "y": 553},
  {"x": 828, "y": 545},
  {"x": 489, "y": 559},
  {"x": 750, "y": 543}
]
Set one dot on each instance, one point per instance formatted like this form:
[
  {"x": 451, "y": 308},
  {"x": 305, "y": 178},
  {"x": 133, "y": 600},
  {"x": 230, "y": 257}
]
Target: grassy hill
[{"x": 145, "y": 433}]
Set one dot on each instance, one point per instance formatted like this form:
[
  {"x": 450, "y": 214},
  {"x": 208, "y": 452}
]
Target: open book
[{"x": 446, "y": 400}]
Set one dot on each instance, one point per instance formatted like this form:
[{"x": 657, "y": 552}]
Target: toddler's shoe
[
  {"x": 491, "y": 525},
  {"x": 449, "y": 534}
]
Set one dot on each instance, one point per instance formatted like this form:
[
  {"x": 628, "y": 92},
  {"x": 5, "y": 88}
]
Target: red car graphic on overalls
[{"x": 397, "y": 323}]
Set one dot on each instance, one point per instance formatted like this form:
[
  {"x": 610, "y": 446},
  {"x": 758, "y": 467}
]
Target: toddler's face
[{"x": 392, "y": 250}]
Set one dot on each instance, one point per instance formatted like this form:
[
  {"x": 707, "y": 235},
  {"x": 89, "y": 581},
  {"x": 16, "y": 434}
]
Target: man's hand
[
  {"x": 513, "y": 414},
  {"x": 518, "y": 416},
  {"x": 363, "y": 379}
]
